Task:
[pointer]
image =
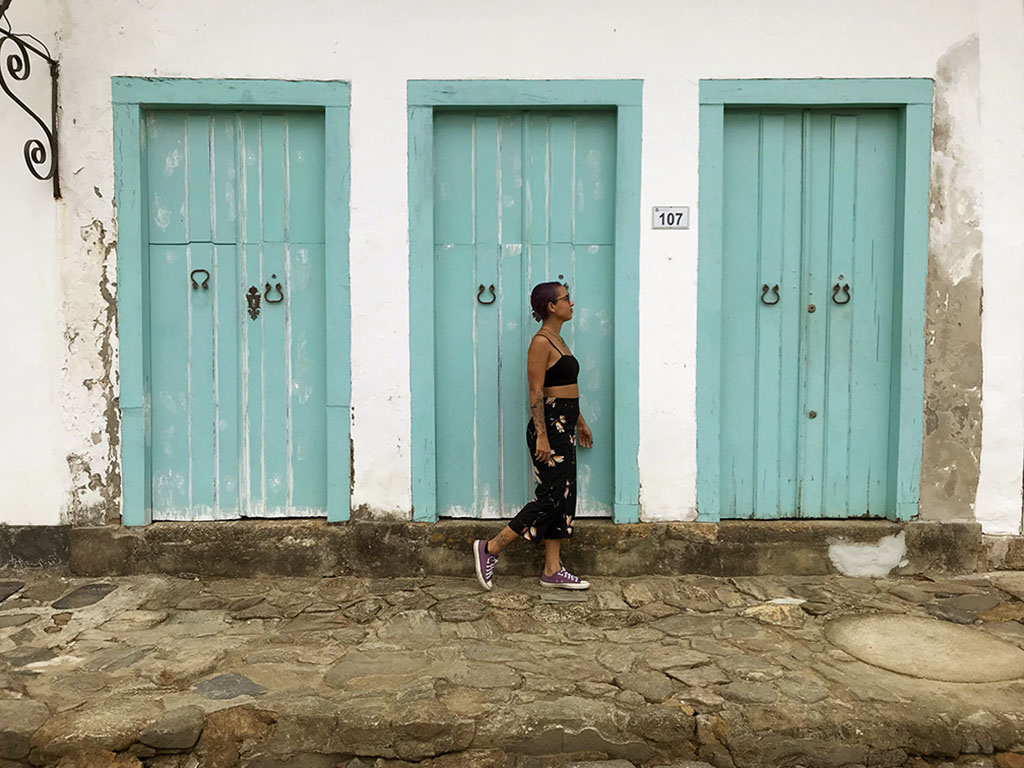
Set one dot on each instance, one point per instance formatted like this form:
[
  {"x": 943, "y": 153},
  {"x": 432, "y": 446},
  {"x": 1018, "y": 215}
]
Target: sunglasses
[{"x": 566, "y": 297}]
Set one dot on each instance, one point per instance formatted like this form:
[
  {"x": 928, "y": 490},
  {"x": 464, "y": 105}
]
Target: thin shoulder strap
[{"x": 553, "y": 345}]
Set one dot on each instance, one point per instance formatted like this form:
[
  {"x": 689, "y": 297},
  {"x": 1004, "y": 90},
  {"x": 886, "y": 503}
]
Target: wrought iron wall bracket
[{"x": 16, "y": 52}]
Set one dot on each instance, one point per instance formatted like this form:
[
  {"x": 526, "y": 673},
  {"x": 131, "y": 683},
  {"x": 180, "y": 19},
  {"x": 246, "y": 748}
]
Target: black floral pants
[{"x": 550, "y": 515}]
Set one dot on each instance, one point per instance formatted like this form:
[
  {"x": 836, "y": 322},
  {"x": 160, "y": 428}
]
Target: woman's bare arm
[{"x": 536, "y": 366}]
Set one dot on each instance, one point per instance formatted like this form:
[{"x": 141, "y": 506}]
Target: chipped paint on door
[{"x": 236, "y": 210}]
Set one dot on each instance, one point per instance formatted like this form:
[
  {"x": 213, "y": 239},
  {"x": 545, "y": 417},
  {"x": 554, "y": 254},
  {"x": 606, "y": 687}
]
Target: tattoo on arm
[{"x": 537, "y": 410}]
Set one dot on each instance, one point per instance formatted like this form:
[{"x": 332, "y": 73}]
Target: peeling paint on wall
[
  {"x": 90, "y": 382},
  {"x": 953, "y": 366}
]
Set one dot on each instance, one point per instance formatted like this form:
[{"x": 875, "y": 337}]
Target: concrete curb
[
  {"x": 392, "y": 548},
  {"x": 34, "y": 546}
]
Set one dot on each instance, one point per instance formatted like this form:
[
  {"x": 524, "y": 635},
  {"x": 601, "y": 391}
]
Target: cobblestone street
[{"x": 652, "y": 671}]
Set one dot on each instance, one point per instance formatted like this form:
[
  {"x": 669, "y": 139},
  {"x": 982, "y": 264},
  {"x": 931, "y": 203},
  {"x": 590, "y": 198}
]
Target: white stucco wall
[
  {"x": 378, "y": 46},
  {"x": 998, "y": 506},
  {"x": 33, "y": 473}
]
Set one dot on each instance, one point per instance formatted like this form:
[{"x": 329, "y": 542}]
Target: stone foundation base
[{"x": 600, "y": 548}]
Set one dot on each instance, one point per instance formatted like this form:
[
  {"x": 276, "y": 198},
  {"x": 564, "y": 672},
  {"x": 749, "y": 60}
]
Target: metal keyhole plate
[
  {"x": 813, "y": 414},
  {"x": 810, "y": 307}
]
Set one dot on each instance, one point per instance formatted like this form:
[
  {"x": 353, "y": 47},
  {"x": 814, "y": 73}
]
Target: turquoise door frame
[
  {"x": 913, "y": 99},
  {"x": 424, "y": 97},
  {"x": 131, "y": 97}
]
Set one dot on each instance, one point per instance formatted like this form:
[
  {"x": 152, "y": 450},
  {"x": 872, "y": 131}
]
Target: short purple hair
[{"x": 542, "y": 295}]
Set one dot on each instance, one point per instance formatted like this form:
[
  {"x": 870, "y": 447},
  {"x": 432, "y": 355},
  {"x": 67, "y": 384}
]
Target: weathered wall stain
[
  {"x": 95, "y": 470},
  {"x": 953, "y": 366}
]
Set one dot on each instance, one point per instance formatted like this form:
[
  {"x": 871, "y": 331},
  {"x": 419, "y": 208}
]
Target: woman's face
[{"x": 562, "y": 306}]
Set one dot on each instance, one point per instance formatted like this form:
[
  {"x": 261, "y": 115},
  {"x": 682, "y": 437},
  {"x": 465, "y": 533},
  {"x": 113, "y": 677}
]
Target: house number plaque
[{"x": 670, "y": 217}]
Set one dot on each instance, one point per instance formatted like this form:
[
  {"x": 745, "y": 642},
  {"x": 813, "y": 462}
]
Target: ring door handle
[
  {"x": 480, "y": 293},
  {"x": 267, "y": 289},
  {"x": 837, "y": 289},
  {"x": 205, "y": 284},
  {"x": 764, "y": 293},
  {"x": 253, "y": 299}
]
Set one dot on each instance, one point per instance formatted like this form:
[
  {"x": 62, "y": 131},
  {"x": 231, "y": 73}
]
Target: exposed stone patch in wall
[
  {"x": 953, "y": 365},
  {"x": 90, "y": 380}
]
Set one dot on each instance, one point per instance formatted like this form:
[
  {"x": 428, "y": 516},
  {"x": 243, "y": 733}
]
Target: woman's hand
[
  {"x": 585, "y": 436},
  {"x": 543, "y": 450}
]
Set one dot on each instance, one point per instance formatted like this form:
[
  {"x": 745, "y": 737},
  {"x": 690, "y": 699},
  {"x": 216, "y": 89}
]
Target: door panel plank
[
  {"x": 537, "y": 132},
  {"x": 168, "y": 311},
  {"x": 276, "y": 363},
  {"x": 839, "y": 326},
  {"x": 224, "y": 155},
  {"x": 455, "y": 299},
  {"x": 790, "y": 409},
  {"x": 777, "y": 352},
  {"x": 741, "y": 287},
  {"x": 453, "y": 179},
  {"x": 595, "y": 178},
  {"x": 165, "y": 148},
  {"x": 561, "y": 179},
  {"x": 510, "y": 179},
  {"x": 253, "y": 367},
  {"x": 274, "y": 191},
  {"x": 229, "y": 311},
  {"x": 872, "y": 283},
  {"x": 306, "y": 182},
  {"x": 593, "y": 346},
  {"x": 202, "y": 392},
  {"x": 307, "y": 397},
  {"x": 516, "y": 327},
  {"x": 817, "y": 195},
  {"x": 199, "y": 177},
  {"x": 250, "y": 206},
  {"x": 488, "y": 204}
]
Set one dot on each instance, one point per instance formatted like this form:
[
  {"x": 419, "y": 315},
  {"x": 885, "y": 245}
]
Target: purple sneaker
[
  {"x": 484, "y": 563},
  {"x": 563, "y": 580}
]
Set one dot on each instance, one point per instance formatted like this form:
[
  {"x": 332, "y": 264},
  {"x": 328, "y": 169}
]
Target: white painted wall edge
[{"x": 998, "y": 501}]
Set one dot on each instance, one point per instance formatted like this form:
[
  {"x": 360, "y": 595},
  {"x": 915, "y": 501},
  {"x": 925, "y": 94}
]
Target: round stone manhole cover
[{"x": 927, "y": 648}]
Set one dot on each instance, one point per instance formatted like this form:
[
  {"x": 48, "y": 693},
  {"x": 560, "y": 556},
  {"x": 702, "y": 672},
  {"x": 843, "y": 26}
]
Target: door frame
[
  {"x": 913, "y": 98},
  {"x": 131, "y": 97},
  {"x": 424, "y": 97}
]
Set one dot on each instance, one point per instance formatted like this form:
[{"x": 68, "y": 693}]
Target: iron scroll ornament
[
  {"x": 253, "y": 299},
  {"x": 764, "y": 293},
  {"x": 480, "y": 293},
  {"x": 16, "y": 66}
]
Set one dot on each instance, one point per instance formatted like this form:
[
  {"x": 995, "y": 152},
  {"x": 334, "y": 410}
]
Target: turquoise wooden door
[
  {"x": 520, "y": 198},
  {"x": 236, "y": 301},
  {"x": 810, "y": 205}
]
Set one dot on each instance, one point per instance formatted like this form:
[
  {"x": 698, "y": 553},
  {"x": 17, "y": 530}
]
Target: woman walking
[{"x": 551, "y": 436}]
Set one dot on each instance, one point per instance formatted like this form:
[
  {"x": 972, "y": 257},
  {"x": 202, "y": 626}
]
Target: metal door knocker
[
  {"x": 277, "y": 287},
  {"x": 253, "y": 297},
  {"x": 480, "y": 293},
  {"x": 764, "y": 292},
  {"x": 206, "y": 280},
  {"x": 836, "y": 289}
]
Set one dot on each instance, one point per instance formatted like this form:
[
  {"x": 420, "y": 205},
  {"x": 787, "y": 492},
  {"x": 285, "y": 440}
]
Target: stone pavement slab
[
  {"x": 929, "y": 649},
  {"x": 8, "y": 588},
  {"x": 646, "y": 672}
]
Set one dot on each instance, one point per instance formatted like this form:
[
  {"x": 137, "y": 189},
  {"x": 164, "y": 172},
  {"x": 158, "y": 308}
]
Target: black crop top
[{"x": 565, "y": 371}]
